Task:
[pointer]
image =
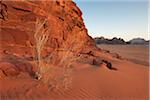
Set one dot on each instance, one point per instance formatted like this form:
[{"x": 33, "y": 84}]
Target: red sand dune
[{"x": 130, "y": 81}]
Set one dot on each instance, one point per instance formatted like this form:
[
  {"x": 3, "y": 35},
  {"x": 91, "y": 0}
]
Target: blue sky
[{"x": 120, "y": 18}]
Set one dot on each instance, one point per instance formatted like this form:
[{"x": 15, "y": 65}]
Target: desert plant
[
  {"x": 54, "y": 76},
  {"x": 41, "y": 36}
]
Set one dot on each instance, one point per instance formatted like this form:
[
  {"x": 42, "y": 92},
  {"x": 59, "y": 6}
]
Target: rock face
[
  {"x": 138, "y": 41},
  {"x": 102, "y": 40},
  {"x": 67, "y": 37}
]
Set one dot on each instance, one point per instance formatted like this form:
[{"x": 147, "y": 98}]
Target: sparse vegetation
[
  {"x": 41, "y": 36},
  {"x": 54, "y": 76}
]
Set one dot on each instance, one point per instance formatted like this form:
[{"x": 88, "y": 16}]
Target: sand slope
[
  {"x": 136, "y": 53},
  {"x": 129, "y": 82}
]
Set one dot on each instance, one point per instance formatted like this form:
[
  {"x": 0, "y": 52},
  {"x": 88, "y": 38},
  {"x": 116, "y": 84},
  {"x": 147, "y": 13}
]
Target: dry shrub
[
  {"x": 41, "y": 36},
  {"x": 57, "y": 77},
  {"x": 60, "y": 76}
]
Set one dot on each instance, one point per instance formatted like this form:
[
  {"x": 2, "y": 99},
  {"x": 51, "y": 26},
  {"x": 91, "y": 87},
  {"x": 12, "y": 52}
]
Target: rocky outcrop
[
  {"x": 102, "y": 40},
  {"x": 68, "y": 36},
  {"x": 138, "y": 41}
]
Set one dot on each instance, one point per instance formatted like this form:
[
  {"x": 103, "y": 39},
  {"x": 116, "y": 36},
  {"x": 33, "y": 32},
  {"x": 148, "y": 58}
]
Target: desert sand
[
  {"x": 69, "y": 66},
  {"x": 136, "y": 53},
  {"x": 128, "y": 82}
]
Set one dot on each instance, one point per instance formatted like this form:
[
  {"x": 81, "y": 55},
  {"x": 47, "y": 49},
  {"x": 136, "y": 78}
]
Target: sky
[{"x": 126, "y": 19}]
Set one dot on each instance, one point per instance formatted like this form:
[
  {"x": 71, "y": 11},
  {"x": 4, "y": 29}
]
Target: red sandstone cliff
[
  {"x": 68, "y": 40},
  {"x": 68, "y": 32}
]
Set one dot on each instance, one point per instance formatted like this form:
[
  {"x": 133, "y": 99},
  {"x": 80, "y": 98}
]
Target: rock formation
[
  {"x": 138, "y": 41},
  {"x": 102, "y": 40},
  {"x": 68, "y": 38}
]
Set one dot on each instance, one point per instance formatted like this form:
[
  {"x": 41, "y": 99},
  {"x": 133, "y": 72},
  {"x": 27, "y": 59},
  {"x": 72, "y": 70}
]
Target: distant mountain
[
  {"x": 138, "y": 41},
  {"x": 102, "y": 40}
]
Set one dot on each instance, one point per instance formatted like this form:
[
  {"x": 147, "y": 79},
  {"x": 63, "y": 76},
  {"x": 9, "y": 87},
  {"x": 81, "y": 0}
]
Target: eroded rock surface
[{"x": 67, "y": 30}]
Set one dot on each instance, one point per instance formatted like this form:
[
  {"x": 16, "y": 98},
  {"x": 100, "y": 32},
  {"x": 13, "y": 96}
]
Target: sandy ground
[
  {"x": 87, "y": 82},
  {"x": 136, "y": 53},
  {"x": 128, "y": 82}
]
